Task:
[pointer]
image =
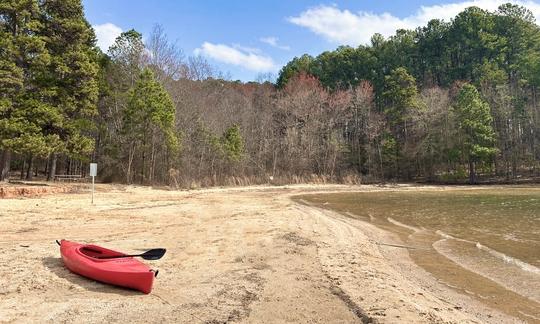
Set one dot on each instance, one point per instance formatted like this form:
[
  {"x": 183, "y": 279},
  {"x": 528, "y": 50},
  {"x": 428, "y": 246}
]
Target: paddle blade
[{"x": 154, "y": 254}]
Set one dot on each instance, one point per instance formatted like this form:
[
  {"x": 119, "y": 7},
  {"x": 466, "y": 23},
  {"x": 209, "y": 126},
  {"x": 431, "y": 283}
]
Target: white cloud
[
  {"x": 106, "y": 35},
  {"x": 346, "y": 27},
  {"x": 273, "y": 41},
  {"x": 248, "y": 58},
  {"x": 247, "y": 49}
]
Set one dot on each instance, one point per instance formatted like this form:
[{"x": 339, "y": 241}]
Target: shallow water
[{"x": 483, "y": 242}]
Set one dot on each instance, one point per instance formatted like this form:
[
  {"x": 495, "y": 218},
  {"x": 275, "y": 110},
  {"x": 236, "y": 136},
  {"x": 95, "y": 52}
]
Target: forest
[{"x": 451, "y": 102}]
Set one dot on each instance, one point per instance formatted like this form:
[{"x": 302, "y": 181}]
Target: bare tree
[
  {"x": 197, "y": 68},
  {"x": 164, "y": 57}
]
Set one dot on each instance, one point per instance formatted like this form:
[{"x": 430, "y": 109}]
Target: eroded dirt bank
[
  {"x": 36, "y": 189},
  {"x": 244, "y": 254}
]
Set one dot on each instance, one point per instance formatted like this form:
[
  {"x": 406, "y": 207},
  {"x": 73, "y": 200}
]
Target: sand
[{"x": 249, "y": 255}]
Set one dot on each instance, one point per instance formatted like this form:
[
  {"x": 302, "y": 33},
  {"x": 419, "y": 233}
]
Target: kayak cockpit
[{"x": 97, "y": 252}]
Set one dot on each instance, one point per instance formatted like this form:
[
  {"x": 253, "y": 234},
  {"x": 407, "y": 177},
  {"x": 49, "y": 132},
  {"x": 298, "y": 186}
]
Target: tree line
[
  {"x": 449, "y": 102},
  {"x": 456, "y": 96}
]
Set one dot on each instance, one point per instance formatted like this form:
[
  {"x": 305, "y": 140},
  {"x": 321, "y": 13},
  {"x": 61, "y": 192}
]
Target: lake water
[{"x": 482, "y": 242}]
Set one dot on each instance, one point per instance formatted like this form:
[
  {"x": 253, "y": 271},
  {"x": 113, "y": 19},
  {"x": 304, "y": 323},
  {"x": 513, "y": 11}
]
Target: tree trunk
[
  {"x": 52, "y": 167},
  {"x": 131, "y": 155},
  {"x": 168, "y": 159},
  {"x": 30, "y": 167},
  {"x": 23, "y": 167},
  {"x": 472, "y": 173},
  {"x": 535, "y": 118},
  {"x": 143, "y": 160},
  {"x": 152, "y": 161},
  {"x": 69, "y": 167},
  {"x": 5, "y": 163},
  {"x": 380, "y": 161}
]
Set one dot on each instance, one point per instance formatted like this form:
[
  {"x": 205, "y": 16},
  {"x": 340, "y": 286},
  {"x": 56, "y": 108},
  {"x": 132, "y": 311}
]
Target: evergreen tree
[
  {"x": 23, "y": 60},
  {"x": 516, "y": 26},
  {"x": 71, "y": 81},
  {"x": 149, "y": 116},
  {"x": 400, "y": 100},
  {"x": 127, "y": 54},
  {"x": 433, "y": 50},
  {"x": 477, "y": 138},
  {"x": 471, "y": 41},
  {"x": 294, "y": 67},
  {"x": 233, "y": 144},
  {"x": 400, "y": 96},
  {"x": 11, "y": 81}
]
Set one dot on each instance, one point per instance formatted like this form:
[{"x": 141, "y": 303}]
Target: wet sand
[
  {"x": 248, "y": 255},
  {"x": 499, "y": 280}
]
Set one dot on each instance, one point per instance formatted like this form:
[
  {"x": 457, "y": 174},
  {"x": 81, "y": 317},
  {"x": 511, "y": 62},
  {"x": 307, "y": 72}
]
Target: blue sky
[{"x": 246, "y": 38}]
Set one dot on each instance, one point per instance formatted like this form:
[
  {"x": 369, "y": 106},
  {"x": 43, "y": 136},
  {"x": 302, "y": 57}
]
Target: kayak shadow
[{"x": 56, "y": 266}]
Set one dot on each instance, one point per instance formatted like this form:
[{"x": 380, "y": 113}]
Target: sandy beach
[{"x": 248, "y": 255}]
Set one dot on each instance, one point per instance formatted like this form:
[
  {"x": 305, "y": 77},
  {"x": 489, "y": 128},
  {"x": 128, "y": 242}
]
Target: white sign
[
  {"x": 93, "y": 174},
  {"x": 93, "y": 169}
]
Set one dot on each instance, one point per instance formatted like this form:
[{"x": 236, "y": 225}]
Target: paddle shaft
[
  {"x": 153, "y": 254},
  {"x": 121, "y": 256}
]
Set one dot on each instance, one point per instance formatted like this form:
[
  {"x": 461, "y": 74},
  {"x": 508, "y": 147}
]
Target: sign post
[{"x": 93, "y": 174}]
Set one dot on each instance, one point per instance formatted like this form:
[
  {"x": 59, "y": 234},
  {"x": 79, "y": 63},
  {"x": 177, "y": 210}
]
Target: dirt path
[{"x": 248, "y": 255}]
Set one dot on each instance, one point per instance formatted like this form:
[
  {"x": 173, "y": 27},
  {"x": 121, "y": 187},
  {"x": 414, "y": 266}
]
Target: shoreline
[
  {"x": 248, "y": 254},
  {"x": 435, "y": 301},
  {"x": 432, "y": 263}
]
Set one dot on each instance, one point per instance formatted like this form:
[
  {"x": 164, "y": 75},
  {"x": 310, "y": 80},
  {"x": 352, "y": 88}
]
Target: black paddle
[{"x": 154, "y": 254}]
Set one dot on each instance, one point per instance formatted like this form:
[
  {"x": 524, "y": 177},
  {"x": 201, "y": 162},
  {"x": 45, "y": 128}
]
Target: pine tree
[
  {"x": 233, "y": 144},
  {"x": 400, "y": 95},
  {"x": 11, "y": 81},
  {"x": 71, "y": 81},
  {"x": 127, "y": 53},
  {"x": 296, "y": 66},
  {"x": 148, "y": 117},
  {"x": 23, "y": 59},
  {"x": 401, "y": 99},
  {"x": 477, "y": 138}
]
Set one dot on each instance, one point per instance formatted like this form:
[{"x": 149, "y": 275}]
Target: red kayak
[{"x": 84, "y": 259}]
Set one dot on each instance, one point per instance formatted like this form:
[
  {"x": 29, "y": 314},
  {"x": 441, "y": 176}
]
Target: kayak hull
[{"x": 83, "y": 259}]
